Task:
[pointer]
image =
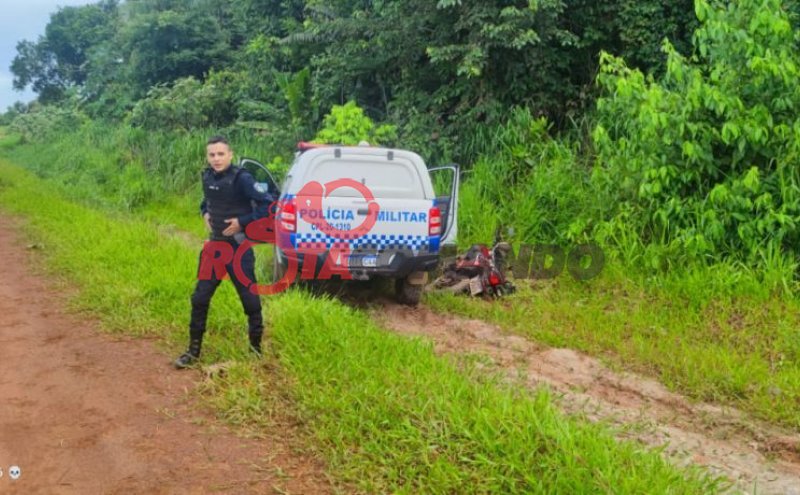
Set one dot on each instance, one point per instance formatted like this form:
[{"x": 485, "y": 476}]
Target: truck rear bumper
[{"x": 397, "y": 264}]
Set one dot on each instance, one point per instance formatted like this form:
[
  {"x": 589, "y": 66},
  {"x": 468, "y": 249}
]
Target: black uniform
[{"x": 230, "y": 194}]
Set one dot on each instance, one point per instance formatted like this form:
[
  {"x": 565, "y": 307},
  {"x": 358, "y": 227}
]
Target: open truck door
[
  {"x": 446, "y": 182},
  {"x": 262, "y": 176}
]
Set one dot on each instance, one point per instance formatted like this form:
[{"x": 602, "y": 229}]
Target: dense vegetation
[
  {"x": 666, "y": 131},
  {"x": 436, "y": 69}
]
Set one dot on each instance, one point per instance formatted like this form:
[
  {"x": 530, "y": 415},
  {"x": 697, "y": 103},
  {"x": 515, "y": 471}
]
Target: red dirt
[
  {"x": 86, "y": 412},
  {"x": 758, "y": 457}
]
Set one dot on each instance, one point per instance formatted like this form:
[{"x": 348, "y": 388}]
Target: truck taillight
[
  {"x": 434, "y": 221},
  {"x": 288, "y": 216}
]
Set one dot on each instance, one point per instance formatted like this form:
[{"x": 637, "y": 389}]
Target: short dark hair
[{"x": 218, "y": 139}]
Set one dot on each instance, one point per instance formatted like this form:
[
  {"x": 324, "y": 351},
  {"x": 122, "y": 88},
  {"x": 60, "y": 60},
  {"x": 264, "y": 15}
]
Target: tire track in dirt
[
  {"x": 86, "y": 412},
  {"x": 759, "y": 458}
]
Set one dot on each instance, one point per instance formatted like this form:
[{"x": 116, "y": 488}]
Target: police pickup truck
[{"x": 361, "y": 212}]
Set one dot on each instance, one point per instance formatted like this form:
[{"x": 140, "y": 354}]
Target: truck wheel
[{"x": 407, "y": 293}]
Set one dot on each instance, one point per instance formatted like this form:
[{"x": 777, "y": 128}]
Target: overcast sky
[{"x": 22, "y": 19}]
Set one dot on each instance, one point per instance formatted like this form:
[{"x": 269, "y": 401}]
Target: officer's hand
[
  {"x": 207, "y": 219},
  {"x": 233, "y": 226}
]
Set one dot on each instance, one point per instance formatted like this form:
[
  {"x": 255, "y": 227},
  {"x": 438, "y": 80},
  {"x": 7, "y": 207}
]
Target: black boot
[
  {"x": 255, "y": 328},
  {"x": 191, "y": 355},
  {"x": 255, "y": 343}
]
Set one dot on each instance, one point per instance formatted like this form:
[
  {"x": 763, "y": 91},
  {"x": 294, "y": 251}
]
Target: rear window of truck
[{"x": 385, "y": 179}]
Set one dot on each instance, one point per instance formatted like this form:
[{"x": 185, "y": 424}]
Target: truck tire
[{"x": 407, "y": 293}]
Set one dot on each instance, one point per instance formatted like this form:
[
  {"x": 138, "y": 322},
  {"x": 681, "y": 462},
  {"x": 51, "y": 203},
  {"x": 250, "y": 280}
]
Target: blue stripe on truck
[{"x": 374, "y": 241}]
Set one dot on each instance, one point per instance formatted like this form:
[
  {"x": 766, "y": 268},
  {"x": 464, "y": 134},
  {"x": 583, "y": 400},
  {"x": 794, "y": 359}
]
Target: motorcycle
[{"x": 479, "y": 272}]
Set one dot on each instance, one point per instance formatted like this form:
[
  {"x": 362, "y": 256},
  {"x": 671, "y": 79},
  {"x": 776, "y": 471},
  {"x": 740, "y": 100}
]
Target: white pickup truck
[{"x": 373, "y": 210}]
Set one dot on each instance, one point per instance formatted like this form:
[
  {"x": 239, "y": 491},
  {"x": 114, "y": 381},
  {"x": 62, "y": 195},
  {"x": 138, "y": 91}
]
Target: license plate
[
  {"x": 369, "y": 261},
  {"x": 475, "y": 286}
]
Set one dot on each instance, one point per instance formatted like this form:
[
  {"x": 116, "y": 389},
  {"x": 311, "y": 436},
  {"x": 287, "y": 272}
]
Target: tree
[
  {"x": 706, "y": 155},
  {"x": 60, "y": 58},
  {"x": 160, "y": 46},
  {"x": 35, "y": 65}
]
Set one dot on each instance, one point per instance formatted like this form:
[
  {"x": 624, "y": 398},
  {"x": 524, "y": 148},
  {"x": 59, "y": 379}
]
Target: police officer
[{"x": 230, "y": 202}]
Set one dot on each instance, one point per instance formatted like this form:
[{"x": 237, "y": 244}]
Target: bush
[
  {"x": 44, "y": 122},
  {"x": 529, "y": 181},
  {"x": 347, "y": 124},
  {"x": 703, "y": 161},
  {"x": 188, "y": 104}
]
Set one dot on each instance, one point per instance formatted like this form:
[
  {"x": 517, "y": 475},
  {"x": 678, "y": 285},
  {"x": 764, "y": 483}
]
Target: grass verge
[{"x": 689, "y": 333}]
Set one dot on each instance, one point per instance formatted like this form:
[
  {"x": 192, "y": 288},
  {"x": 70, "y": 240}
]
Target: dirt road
[
  {"x": 85, "y": 412},
  {"x": 759, "y": 458}
]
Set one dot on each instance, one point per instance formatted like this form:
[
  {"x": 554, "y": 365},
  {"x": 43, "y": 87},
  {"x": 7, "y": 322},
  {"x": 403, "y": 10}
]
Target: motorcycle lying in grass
[{"x": 479, "y": 272}]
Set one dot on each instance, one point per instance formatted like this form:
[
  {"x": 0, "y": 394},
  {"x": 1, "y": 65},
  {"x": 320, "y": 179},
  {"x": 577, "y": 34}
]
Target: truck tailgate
[{"x": 400, "y": 224}]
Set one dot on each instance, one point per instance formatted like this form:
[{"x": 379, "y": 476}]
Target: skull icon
[{"x": 14, "y": 472}]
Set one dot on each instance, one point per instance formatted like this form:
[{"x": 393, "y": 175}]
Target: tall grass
[
  {"x": 7, "y": 140},
  {"x": 550, "y": 190},
  {"x": 697, "y": 332},
  {"x": 125, "y": 168},
  {"x": 529, "y": 181}
]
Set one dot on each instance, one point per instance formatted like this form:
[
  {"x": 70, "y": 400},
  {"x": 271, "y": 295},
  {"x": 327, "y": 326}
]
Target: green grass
[
  {"x": 688, "y": 331},
  {"x": 387, "y": 413},
  {"x": 181, "y": 213},
  {"x": 382, "y": 400},
  {"x": 120, "y": 168},
  {"x": 8, "y": 141}
]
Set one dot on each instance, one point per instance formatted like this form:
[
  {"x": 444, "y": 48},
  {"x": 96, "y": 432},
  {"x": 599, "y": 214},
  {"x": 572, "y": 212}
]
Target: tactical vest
[{"x": 223, "y": 200}]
